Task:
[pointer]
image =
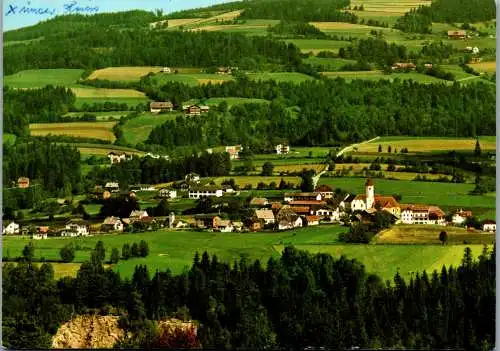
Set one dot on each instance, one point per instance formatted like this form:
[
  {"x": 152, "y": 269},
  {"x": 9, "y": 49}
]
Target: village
[{"x": 323, "y": 206}]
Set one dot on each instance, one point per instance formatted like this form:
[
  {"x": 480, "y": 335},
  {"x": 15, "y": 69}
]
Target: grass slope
[
  {"x": 37, "y": 78},
  {"x": 137, "y": 130}
]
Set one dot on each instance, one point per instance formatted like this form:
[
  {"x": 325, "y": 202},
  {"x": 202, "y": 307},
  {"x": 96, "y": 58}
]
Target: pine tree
[
  {"x": 115, "y": 256},
  {"x": 477, "y": 149},
  {"x": 126, "y": 251},
  {"x": 29, "y": 252}
]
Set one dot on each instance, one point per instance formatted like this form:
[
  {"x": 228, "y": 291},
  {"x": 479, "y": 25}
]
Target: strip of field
[
  {"x": 175, "y": 250},
  {"x": 377, "y": 75},
  {"x": 298, "y": 168},
  {"x": 123, "y": 73},
  {"x": 281, "y": 77},
  {"x": 137, "y": 130},
  {"x": 191, "y": 79},
  {"x": 37, "y": 78},
  {"x": 242, "y": 181},
  {"x": 328, "y": 64},
  {"x": 96, "y": 130},
  {"x": 317, "y": 45},
  {"x": 104, "y": 150},
  {"x": 427, "y": 144},
  {"x": 429, "y": 234},
  {"x": 486, "y": 67},
  {"x": 103, "y": 93},
  {"x": 130, "y": 102},
  {"x": 231, "y": 101},
  {"x": 441, "y": 194},
  {"x": 100, "y": 116}
]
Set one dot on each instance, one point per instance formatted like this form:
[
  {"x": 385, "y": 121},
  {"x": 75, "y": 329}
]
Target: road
[{"x": 352, "y": 146}]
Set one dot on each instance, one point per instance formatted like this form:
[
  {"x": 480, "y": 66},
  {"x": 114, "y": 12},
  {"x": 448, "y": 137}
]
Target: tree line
[
  {"x": 328, "y": 111},
  {"x": 448, "y": 11},
  {"x": 297, "y": 300}
]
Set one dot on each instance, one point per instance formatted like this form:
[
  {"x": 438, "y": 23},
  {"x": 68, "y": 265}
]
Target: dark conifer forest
[{"x": 295, "y": 301}]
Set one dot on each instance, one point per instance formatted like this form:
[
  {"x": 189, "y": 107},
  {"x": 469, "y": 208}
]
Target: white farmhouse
[
  {"x": 422, "y": 214},
  {"x": 205, "y": 191},
  {"x": 265, "y": 215},
  {"x": 11, "y": 228},
  {"x": 460, "y": 217},
  {"x": 489, "y": 226},
  {"x": 39, "y": 236},
  {"x": 113, "y": 224},
  {"x": 282, "y": 149},
  {"x": 77, "y": 226},
  {"x": 168, "y": 193}
]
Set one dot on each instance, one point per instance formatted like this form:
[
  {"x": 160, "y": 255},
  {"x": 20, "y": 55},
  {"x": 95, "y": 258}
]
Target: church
[{"x": 370, "y": 201}]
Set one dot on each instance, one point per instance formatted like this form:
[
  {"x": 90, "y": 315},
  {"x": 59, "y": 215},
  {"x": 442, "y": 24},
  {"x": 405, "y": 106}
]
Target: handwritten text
[{"x": 71, "y": 7}]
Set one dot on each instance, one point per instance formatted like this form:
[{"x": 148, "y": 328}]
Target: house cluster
[
  {"x": 117, "y": 157},
  {"x": 457, "y": 34}
]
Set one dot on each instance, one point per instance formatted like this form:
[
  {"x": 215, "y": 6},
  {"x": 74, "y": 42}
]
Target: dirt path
[{"x": 352, "y": 146}]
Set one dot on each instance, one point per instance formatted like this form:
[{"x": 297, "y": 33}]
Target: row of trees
[
  {"x": 297, "y": 300},
  {"x": 329, "y": 111}
]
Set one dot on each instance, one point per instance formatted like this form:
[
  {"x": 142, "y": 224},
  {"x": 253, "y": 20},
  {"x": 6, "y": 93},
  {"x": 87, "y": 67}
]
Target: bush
[{"x": 67, "y": 253}]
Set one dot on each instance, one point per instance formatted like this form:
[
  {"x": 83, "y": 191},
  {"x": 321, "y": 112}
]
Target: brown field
[
  {"x": 429, "y": 234},
  {"x": 106, "y": 93},
  {"x": 426, "y": 145},
  {"x": 212, "y": 81},
  {"x": 488, "y": 67},
  {"x": 97, "y": 130},
  {"x": 123, "y": 73},
  {"x": 298, "y": 168}
]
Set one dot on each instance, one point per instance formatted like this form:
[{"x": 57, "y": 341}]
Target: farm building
[
  {"x": 78, "y": 226},
  {"x": 10, "y": 228},
  {"x": 282, "y": 149},
  {"x": 422, "y": 214},
  {"x": 303, "y": 196},
  {"x": 266, "y": 216},
  {"x": 39, "y": 236},
  {"x": 474, "y": 60},
  {"x": 168, "y": 193},
  {"x": 23, "y": 182},
  {"x": 312, "y": 220},
  {"x": 117, "y": 157},
  {"x": 195, "y": 110},
  {"x": 288, "y": 219},
  {"x": 259, "y": 202},
  {"x": 166, "y": 70},
  {"x": 460, "y": 217},
  {"x": 224, "y": 70},
  {"x": 192, "y": 178},
  {"x": 234, "y": 151},
  {"x": 489, "y": 226},
  {"x": 112, "y": 224},
  {"x": 112, "y": 186},
  {"x": 164, "y": 106},
  {"x": 205, "y": 191},
  {"x": 207, "y": 221},
  {"x": 457, "y": 34},
  {"x": 225, "y": 226},
  {"x": 428, "y": 65},
  {"x": 404, "y": 66},
  {"x": 135, "y": 215},
  {"x": 325, "y": 191}
]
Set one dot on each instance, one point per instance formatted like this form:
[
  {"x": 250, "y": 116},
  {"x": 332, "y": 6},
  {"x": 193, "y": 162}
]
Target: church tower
[{"x": 370, "y": 193}]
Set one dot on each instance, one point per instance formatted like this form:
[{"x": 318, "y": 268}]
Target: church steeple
[{"x": 370, "y": 193}]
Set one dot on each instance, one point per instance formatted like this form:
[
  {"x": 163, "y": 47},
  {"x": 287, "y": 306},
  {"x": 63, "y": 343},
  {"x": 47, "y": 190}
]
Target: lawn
[
  {"x": 377, "y": 75},
  {"x": 281, "y": 76},
  {"x": 37, "y": 78},
  {"x": 137, "y": 130},
  {"x": 123, "y": 73},
  {"x": 96, "y": 130},
  {"x": 175, "y": 249},
  {"x": 130, "y": 101},
  {"x": 431, "y": 193},
  {"x": 427, "y": 144},
  {"x": 429, "y": 234}
]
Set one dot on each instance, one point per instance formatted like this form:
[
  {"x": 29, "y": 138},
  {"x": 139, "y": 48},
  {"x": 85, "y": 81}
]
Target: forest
[
  {"x": 93, "y": 48},
  {"x": 329, "y": 111},
  {"x": 299, "y": 10},
  {"x": 297, "y": 300},
  {"x": 22, "y": 107},
  {"x": 448, "y": 11}
]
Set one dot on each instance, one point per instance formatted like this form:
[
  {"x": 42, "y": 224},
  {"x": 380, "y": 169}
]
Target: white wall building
[
  {"x": 282, "y": 149},
  {"x": 196, "y": 193},
  {"x": 78, "y": 227},
  {"x": 489, "y": 226},
  {"x": 11, "y": 228}
]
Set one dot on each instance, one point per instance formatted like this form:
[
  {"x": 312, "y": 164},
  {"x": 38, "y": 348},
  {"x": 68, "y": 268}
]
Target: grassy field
[
  {"x": 233, "y": 101},
  {"x": 102, "y": 93},
  {"x": 37, "y": 78},
  {"x": 377, "y": 75},
  {"x": 389, "y": 6},
  {"x": 97, "y": 130},
  {"x": 130, "y": 101},
  {"x": 429, "y": 234},
  {"x": 298, "y": 168},
  {"x": 101, "y": 116},
  {"x": 241, "y": 181},
  {"x": 175, "y": 249},
  {"x": 137, "y": 130},
  {"x": 317, "y": 45},
  {"x": 329, "y": 64},
  {"x": 123, "y": 73},
  {"x": 432, "y": 193},
  {"x": 281, "y": 77},
  {"x": 103, "y": 150},
  {"x": 427, "y": 144},
  {"x": 192, "y": 79}
]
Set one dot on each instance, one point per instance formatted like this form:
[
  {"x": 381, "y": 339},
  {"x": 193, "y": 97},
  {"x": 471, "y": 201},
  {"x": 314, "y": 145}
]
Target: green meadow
[
  {"x": 130, "y": 101},
  {"x": 38, "y": 78},
  {"x": 137, "y": 130}
]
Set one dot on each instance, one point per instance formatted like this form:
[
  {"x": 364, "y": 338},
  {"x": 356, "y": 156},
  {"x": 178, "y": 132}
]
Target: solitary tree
[
  {"x": 379, "y": 148},
  {"x": 143, "y": 248},
  {"x": 307, "y": 184},
  {"x": 100, "y": 251},
  {"x": 115, "y": 255},
  {"x": 29, "y": 252},
  {"x": 126, "y": 251},
  {"x": 389, "y": 149},
  {"x": 267, "y": 169},
  {"x": 443, "y": 237},
  {"x": 67, "y": 253},
  {"x": 477, "y": 149},
  {"x": 134, "y": 250}
]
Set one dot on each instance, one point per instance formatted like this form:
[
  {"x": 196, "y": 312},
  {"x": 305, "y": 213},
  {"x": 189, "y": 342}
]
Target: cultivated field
[
  {"x": 429, "y": 234},
  {"x": 241, "y": 181},
  {"x": 486, "y": 67},
  {"x": 192, "y": 79},
  {"x": 377, "y": 75},
  {"x": 427, "y": 144},
  {"x": 97, "y": 130},
  {"x": 389, "y": 6},
  {"x": 103, "y": 149},
  {"x": 432, "y": 193},
  {"x": 298, "y": 168},
  {"x": 102, "y": 93},
  {"x": 233, "y": 101},
  {"x": 137, "y": 130},
  {"x": 123, "y": 73},
  {"x": 175, "y": 249},
  {"x": 38, "y": 78}
]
